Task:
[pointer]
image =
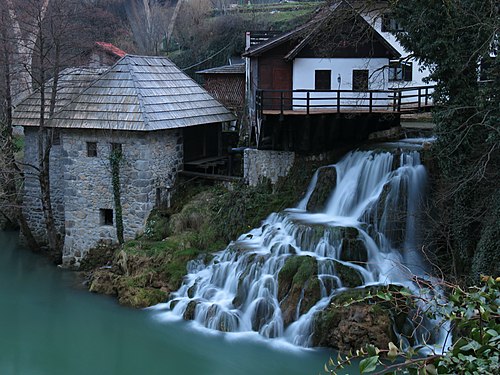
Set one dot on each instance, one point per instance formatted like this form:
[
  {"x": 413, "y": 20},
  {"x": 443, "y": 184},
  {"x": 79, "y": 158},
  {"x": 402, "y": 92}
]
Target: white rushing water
[{"x": 367, "y": 231}]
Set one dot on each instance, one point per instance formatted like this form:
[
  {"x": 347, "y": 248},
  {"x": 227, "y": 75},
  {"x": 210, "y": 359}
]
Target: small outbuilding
[{"x": 153, "y": 114}]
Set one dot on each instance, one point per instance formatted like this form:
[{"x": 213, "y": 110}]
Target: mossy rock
[
  {"x": 157, "y": 225},
  {"x": 104, "y": 282},
  {"x": 312, "y": 294},
  {"x": 190, "y": 310},
  {"x": 349, "y": 276},
  {"x": 101, "y": 255},
  {"x": 298, "y": 279},
  {"x": 138, "y": 297},
  {"x": 327, "y": 180},
  {"x": 264, "y": 311},
  {"x": 351, "y": 327},
  {"x": 296, "y": 270},
  {"x": 309, "y": 235},
  {"x": 354, "y": 250}
]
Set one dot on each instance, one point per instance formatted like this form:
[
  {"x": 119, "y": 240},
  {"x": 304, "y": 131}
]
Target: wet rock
[
  {"x": 309, "y": 235},
  {"x": 263, "y": 313},
  {"x": 352, "y": 327},
  {"x": 190, "y": 310},
  {"x": 327, "y": 179},
  {"x": 298, "y": 284},
  {"x": 353, "y": 250},
  {"x": 349, "y": 277}
]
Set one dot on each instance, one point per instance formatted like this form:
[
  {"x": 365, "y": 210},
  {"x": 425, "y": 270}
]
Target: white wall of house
[
  {"x": 304, "y": 78},
  {"x": 418, "y": 72},
  {"x": 303, "y": 72}
]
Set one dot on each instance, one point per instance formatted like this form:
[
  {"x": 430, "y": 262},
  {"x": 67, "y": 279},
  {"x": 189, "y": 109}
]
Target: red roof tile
[{"x": 108, "y": 47}]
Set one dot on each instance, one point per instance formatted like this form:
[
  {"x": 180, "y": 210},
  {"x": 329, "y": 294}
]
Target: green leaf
[
  {"x": 384, "y": 296},
  {"x": 368, "y": 364},
  {"x": 473, "y": 345},
  {"x": 492, "y": 332}
]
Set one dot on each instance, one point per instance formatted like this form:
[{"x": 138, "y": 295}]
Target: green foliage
[
  {"x": 455, "y": 39},
  {"x": 474, "y": 314}
]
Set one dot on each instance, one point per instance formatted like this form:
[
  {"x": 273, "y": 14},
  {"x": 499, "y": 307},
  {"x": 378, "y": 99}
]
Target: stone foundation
[{"x": 263, "y": 164}]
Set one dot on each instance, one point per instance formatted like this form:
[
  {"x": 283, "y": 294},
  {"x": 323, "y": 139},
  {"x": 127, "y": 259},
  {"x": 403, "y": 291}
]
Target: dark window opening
[
  {"x": 116, "y": 148},
  {"x": 322, "y": 79},
  {"x": 390, "y": 24},
  {"x": 360, "y": 80},
  {"x": 400, "y": 71},
  {"x": 106, "y": 216},
  {"x": 56, "y": 137},
  {"x": 91, "y": 149}
]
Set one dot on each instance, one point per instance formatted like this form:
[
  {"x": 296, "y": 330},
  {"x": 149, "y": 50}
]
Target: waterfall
[{"x": 273, "y": 279}]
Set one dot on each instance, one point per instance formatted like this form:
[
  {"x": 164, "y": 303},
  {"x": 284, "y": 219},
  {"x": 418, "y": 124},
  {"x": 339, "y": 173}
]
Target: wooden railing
[{"x": 398, "y": 100}]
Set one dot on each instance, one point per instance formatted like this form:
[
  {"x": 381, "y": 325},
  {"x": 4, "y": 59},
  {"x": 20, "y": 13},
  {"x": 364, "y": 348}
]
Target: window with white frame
[{"x": 400, "y": 71}]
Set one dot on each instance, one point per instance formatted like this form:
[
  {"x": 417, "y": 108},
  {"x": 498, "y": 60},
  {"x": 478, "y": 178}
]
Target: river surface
[{"x": 50, "y": 325}]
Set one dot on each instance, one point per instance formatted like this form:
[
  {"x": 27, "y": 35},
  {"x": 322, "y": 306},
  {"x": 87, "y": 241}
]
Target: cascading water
[{"x": 273, "y": 279}]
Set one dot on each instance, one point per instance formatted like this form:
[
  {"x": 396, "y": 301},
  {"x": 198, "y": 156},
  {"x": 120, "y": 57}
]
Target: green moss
[
  {"x": 157, "y": 225},
  {"x": 140, "y": 297},
  {"x": 349, "y": 276}
]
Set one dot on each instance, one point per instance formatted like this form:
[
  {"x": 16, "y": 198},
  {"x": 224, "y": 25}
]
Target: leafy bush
[{"x": 474, "y": 315}]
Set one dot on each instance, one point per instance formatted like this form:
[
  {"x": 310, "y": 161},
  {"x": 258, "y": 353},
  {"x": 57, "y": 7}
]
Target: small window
[
  {"x": 91, "y": 149},
  {"x": 56, "y": 137},
  {"x": 322, "y": 79},
  {"x": 360, "y": 80},
  {"x": 116, "y": 147},
  {"x": 106, "y": 216},
  {"x": 390, "y": 24},
  {"x": 400, "y": 71}
]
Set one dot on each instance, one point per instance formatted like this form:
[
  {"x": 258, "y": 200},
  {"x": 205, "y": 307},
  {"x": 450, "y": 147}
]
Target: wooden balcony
[{"x": 313, "y": 102}]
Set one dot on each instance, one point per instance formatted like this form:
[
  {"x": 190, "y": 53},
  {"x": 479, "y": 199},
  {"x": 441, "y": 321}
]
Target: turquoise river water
[{"x": 51, "y": 325}]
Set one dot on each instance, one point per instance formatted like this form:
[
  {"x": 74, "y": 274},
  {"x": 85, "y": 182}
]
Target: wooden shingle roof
[
  {"x": 226, "y": 69},
  {"x": 141, "y": 93},
  {"x": 71, "y": 82}
]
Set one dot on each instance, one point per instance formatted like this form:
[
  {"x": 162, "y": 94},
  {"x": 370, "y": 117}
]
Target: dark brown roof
[{"x": 304, "y": 33}]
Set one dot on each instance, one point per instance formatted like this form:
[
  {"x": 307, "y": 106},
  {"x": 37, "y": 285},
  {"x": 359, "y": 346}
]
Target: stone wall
[
  {"x": 263, "y": 164},
  {"x": 149, "y": 166},
  {"x": 32, "y": 206}
]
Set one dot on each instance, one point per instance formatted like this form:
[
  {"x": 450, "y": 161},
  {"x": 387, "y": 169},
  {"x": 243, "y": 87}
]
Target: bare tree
[
  {"x": 43, "y": 34},
  {"x": 149, "y": 21}
]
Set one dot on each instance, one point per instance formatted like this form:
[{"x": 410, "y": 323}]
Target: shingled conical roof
[{"x": 141, "y": 93}]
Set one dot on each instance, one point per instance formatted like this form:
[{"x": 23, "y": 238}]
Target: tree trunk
[
  {"x": 11, "y": 169},
  {"x": 44, "y": 148}
]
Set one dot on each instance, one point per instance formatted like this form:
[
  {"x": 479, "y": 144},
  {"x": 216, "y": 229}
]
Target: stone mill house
[{"x": 146, "y": 107}]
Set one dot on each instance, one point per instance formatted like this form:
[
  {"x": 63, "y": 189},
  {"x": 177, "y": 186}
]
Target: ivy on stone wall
[{"x": 115, "y": 159}]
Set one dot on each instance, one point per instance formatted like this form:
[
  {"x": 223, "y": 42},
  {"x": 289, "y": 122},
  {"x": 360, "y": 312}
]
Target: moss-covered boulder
[
  {"x": 104, "y": 282},
  {"x": 345, "y": 326},
  {"x": 349, "y": 277},
  {"x": 140, "y": 297},
  {"x": 298, "y": 284},
  {"x": 353, "y": 250},
  {"x": 327, "y": 179}
]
